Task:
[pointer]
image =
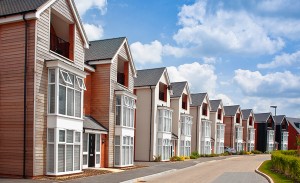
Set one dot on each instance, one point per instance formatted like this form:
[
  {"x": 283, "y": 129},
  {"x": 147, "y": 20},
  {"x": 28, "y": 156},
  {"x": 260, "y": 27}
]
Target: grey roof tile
[
  {"x": 90, "y": 123},
  {"x": 10, "y": 7},
  {"x": 148, "y": 77},
  {"x": 178, "y": 88},
  {"x": 262, "y": 117},
  {"x": 103, "y": 49},
  {"x": 295, "y": 122},
  {"x": 214, "y": 104},
  {"x": 246, "y": 113},
  {"x": 197, "y": 99},
  {"x": 231, "y": 110},
  {"x": 278, "y": 119}
]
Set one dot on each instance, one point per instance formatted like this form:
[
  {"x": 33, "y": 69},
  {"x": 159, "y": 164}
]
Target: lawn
[{"x": 276, "y": 177}]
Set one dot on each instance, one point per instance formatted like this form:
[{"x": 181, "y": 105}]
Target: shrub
[
  {"x": 225, "y": 154},
  {"x": 157, "y": 158},
  {"x": 193, "y": 157},
  {"x": 186, "y": 157},
  {"x": 195, "y": 154},
  {"x": 182, "y": 158},
  {"x": 242, "y": 153},
  {"x": 287, "y": 163},
  {"x": 177, "y": 158},
  {"x": 256, "y": 152}
]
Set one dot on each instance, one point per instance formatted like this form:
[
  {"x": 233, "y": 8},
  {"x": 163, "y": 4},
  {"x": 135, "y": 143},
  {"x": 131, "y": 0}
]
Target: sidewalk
[{"x": 153, "y": 168}]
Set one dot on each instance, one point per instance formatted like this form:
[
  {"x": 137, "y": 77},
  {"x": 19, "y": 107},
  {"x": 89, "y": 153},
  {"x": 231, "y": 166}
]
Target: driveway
[{"x": 239, "y": 169}]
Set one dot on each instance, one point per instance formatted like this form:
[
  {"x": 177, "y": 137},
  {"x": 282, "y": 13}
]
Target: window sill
[
  {"x": 119, "y": 126},
  {"x": 164, "y": 132},
  {"x": 65, "y": 116}
]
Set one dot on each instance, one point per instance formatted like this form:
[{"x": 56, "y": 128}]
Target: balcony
[
  {"x": 59, "y": 45},
  {"x": 121, "y": 78},
  {"x": 162, "y": 96}
]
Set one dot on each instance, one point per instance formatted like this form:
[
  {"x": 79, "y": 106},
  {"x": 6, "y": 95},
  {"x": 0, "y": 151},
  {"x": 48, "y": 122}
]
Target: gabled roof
[
  {"x": 11, "y": 7},
  {"x": 214, "y": 104},
  {"x": 262, "y": 117},
  {"x": 92, "y": 124},
  {"x": 231, "y": 110},
  {"x": 148, "y": 77},
  {"x": 295, "y": 122},
  {"x": 104, "y": 49},
  {"x": 246, "y": 113},
  {"x": 278, "y": 119},
  {"x": 178, "y": 88},
  {"x": 197, "y": 99}
]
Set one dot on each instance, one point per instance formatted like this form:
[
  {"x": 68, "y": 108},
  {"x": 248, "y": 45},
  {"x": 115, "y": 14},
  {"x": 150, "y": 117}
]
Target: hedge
[{"x": 286, "y": 162}]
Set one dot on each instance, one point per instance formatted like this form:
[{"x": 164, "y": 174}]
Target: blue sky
[{"x": 244, "y": 52}]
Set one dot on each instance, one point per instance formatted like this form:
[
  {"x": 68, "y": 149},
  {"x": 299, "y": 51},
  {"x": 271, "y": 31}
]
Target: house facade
[
  {"x": 218, "y": 127},
  {"x": 111, "y": 100},
  {"x": 248, "y": 130},
  {"x": 234, "y": 128},
  {"x": 153, "y": 116},
  {"x": 281, "y": 132},
  {"x": 42, "y": 88},
  {"x": 294, "y": 132},
  {"x": 202, "y": 126},
  {"x": 265, "y": 132},
  {"x": 182, "y": 120}
]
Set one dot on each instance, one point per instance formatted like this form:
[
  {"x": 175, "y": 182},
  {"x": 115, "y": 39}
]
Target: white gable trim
[{"x": 125, "y": 43}]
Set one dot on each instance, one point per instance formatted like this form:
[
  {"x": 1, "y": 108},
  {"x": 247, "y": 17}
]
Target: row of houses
[{"x": 67, "y": 104}]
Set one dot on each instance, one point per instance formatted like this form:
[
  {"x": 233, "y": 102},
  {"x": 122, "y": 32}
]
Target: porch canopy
[{"x": 91, "y": 125}]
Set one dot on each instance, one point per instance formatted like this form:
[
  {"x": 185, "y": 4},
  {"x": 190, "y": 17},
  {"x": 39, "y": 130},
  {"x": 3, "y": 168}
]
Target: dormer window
[
  {"x": 219, "y": 114},
  {"x": 250, "y": 120},
  {"x": 284, "y": 125},
  {"x": 62, "y": 35},
  {"x": 238, "y": 116},
  {"x": 270, "y": 123},
  {"x": 122, "y": 73},
  {"x": 184, "y": 101},
  {"x": 204, "y": 109},
  {"x": 163, "y": 92}
]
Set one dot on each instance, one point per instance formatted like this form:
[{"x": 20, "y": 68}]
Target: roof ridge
[
  {"x": 180, "y": 82},
  {"x": 152, "y": 68},
  {"x": 124, "y": 37}
]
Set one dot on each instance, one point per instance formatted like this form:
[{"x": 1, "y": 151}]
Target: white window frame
[
  {"x": 82, "y": 85},
  {"x": 165, "y": 121},
  {"x": 68, "y": 79},
  {"x": 186, "y": 125},
  {"x": 127, "y": 111},
  {"x": 125, "y": 159}
]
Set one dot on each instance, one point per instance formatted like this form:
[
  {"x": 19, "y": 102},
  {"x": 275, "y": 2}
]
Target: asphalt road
[{"x": 234, "y": 170}]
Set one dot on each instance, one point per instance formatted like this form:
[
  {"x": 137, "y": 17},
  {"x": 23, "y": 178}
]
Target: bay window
[
  {"x": 125, "y": 107},
  {"x": 185, "y": 148},
  {"x": 68, "y": 88},
  {"x": 186, "y": 125},
  {"x": 164, "y": 148},
  {"x": 165, "y": 121},
  {"x": 123, "y": 151},
  {"x": 206, "y": 129},
  {"x": 220, "y": 131},
  {"x": 284, "y": 140},
  {"x": 270, "y": 140},
  {"x": 238, "y": 133}
]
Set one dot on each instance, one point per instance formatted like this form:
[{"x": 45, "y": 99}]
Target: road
[{"x": 234, "y": 170}]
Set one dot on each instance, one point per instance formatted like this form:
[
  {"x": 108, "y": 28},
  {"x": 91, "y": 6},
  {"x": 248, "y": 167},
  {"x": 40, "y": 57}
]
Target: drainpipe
[
  {"x": 197, "y": 129},
  {"x": 25, "y": 97},
  {"x": 150, "y": 145},
  {"x": 231, "y": 133}
]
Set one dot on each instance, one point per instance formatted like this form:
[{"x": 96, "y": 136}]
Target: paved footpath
[
  {"x": 240, "y": 169},
  {"x": 165, "y": 169}
]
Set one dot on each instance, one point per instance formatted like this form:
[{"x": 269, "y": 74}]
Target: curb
[{"x": 269, "y": 179}]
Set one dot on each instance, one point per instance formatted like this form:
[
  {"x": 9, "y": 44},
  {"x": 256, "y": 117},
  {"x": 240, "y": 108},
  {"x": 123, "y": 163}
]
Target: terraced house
[
  {"x": 281, "y": 132},
  {"x": 218, "y": 127},
  {"x": 42, "y": 83},
  {"x": 265, "y": 132},
  {"x": 202, "y": 126},
  {"x": 154, "y": 136},
  {"x": 248, "y": 130},
  {"x": 234, "y": 129},
  {"x": 294, "y": 132},
  {"x": 182, "y": 120},
  {"x": 109, "y": 100}
]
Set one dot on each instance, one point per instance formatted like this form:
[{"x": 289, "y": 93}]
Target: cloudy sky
[{"x": 245, "y": 52}]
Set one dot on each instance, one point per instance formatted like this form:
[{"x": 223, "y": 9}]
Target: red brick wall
[
  {"x": 292, "y": 138},
  {"x": 229, "y": 135}
]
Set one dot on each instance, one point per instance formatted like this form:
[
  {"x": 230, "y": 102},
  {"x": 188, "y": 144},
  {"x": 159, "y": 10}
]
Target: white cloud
[
  {"x": 201, "y": 77},
  {"x": 84, "y": 5},
  {"x": 225, "y": 99},
  {"x": 211, "y": 60},
  {"x": 94, "y": 32},
  {"x": 284, "y": 60},
  {"x": 174, "y": 51},
  {"x": 278, "y": 5},
  {"x": 271, "y": 85},
  {"x": 147, "y": 53},
  {"x": 223, "y": 31}
]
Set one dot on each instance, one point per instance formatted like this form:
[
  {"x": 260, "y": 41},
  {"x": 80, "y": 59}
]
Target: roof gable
[
  {"x": 198, "y": 99},
  {"x": 11, "y": 7},
  {"x": 149, "y": 77},
  {"x": 279, "y": 119},
  {"x": 215, "y": 105},
  {"x": 262, "y": 117},
  {"x": 295, "y": 123},
  {"x": 246, "y": 113},
  {"x": 231, "y": 110},
  {"x": 178, "y": 88}
]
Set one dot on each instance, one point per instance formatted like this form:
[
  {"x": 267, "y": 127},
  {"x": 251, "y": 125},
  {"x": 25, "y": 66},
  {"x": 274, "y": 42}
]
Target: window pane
[
  {"x": 52, "y": 76},
  {"x": 118, "y": 115},
  {"x": 61, "y": 158},
  {"x": 62, "y": 99},
  {"x": 77, "y": 157},
  {"x": 97, "y": 142},
  {"x": 117, "y": 140},
  {"x": 117, "y": 155},
  {"x": 70, "y": 102},
  {"x": 77, "y": 136},
  {"x": 62, "y": 135},
  {"x": 84, "y": 159},
  {"x": 50, "y": 158},
  {"x": 84, "y": 142},
  {"x": 50, "y": 135},
  {"x": 51, "y": 98},
  {"x": 69, "y": 157},
  {"x": 77, "y": 104},
  {"x": 97, "y": 158},
  {"x": 70, "y": 136},
  {"x": 72, "y": 80}
]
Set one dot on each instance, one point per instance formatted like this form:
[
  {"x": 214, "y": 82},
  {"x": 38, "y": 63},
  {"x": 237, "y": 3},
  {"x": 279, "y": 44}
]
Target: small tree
[{"x": 298, "y": 144}]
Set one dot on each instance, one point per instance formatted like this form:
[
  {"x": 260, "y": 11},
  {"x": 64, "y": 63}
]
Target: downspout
[
  {"x": 150, "y": 145},
  {"x": 231, "y": 133},
  {"x": 25, "y": 97}
]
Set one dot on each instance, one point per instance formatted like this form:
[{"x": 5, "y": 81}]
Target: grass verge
[{"x": 266, "y": 168}]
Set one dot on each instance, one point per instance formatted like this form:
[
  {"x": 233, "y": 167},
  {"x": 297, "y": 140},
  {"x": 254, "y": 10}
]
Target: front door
[{"x": 91, "y": 150}]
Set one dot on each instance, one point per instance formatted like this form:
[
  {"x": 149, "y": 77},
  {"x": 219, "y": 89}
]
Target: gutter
[
  {"x": 25, "y": 96},
  {"x": 150, "y": 144},
  {"x": 197, "y": 128}
]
